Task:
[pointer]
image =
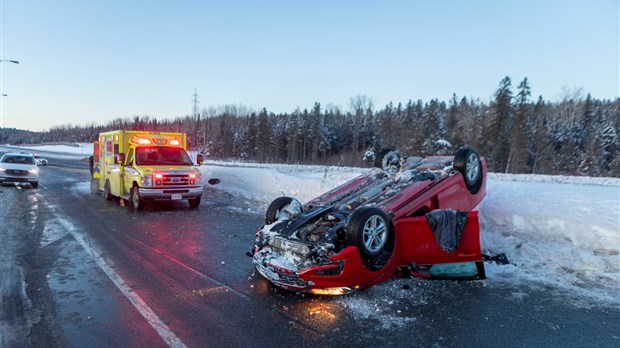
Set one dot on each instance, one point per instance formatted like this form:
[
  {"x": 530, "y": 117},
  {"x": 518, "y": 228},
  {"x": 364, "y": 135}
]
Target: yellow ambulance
[{"x": 141, "y": 166}]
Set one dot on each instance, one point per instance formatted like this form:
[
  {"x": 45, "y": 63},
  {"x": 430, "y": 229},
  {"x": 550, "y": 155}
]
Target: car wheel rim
[
  {"x": 472, "y": 167},
  {"x": 375, "y": 234}
]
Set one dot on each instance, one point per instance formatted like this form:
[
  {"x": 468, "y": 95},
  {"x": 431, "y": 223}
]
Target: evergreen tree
[
  {"x": 314, "y": 132},
  {"x": 500, "y": 126},
  {"x": 587, "y": 131},
  {"x": 252, "y": 137},
  {"x": 517, "y": 158},
  {"x": 387, "y": 126},
  {"x": 263, "y": 137},
  {"x": 454, "y": 120},
  {"x": 542, "y": 147}
]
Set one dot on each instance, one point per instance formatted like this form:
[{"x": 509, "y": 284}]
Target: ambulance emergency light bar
[{"x": 158, "y": 141}]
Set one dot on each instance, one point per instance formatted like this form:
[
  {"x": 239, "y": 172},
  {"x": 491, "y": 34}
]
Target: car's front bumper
[
  {"x": 342, "y": 273},
  {"x": 168, "y": 194},
  {"x": 18, "y": 178}
]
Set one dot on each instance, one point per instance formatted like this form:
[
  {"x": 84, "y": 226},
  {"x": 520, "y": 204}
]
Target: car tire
[
  {"x": 107, "y": 193},
  {"x": 194, "y": 202},
  {"x": 136, "y": 201},
  {"x": 370, "y": 230},
  {"x": 274, "y": 208},
  {"x": 388, "y": 159},
  {"x": 467, "y": 161},
  {"x": 34, "y": 184}
]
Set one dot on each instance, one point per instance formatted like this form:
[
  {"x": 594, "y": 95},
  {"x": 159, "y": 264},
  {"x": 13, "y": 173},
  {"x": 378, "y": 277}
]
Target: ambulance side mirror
[
  {"x": 120, "y": 158},
  {"x": 91, "y": 164},
  {"x": 199, "y": 159}
]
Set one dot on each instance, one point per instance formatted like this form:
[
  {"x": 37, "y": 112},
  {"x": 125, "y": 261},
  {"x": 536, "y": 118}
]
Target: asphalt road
[{"x": 78, "y": 270}]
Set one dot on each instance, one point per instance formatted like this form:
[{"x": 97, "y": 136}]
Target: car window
[
  {"x": 18, "y": 159},
  {"x": 129, "y": 160}
]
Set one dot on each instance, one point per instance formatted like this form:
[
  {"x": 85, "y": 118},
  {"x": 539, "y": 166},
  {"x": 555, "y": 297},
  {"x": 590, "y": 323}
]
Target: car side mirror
[
  {"x": 199, "y": 159},
  {"x": 120, "y": 158}
]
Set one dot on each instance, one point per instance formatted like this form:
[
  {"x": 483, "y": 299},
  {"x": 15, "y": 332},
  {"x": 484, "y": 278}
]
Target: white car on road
[
  {"x": 40, "y": 160},
  {"x": 19, "y": 167}
]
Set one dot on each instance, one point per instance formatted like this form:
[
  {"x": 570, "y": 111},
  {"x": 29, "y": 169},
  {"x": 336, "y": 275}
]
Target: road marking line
[{"x": 156, "y": 323}]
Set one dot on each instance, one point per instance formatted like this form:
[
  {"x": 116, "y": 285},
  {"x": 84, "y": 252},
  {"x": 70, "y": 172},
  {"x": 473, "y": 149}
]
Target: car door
[
  {"x": 130, "y": 173},
  {"x": 421, "y": 250}
]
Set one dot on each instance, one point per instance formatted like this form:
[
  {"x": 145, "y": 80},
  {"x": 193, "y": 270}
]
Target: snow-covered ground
[
  {"x": 558, "y": 232},
  {"x": 78, "y": 150}
]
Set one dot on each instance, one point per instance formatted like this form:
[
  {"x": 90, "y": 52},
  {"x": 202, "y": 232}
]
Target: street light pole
[{"x": 4, "y": 95}]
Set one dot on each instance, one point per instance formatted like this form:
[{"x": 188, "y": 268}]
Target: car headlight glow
[{"x": 331, "y": 291}]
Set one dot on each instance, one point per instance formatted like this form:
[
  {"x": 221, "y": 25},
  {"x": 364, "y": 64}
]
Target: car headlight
[
  {"x": 146, "y": 180},
  {"x": 33, "y": 171}
]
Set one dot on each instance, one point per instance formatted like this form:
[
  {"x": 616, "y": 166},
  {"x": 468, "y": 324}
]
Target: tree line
[{"x": 574, "y": 135}]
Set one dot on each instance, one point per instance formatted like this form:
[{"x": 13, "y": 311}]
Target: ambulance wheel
[
  {"x": 136, "y": 201},
  {"x": 194, "y": 202},
  {"x": 106, "y": 191}
]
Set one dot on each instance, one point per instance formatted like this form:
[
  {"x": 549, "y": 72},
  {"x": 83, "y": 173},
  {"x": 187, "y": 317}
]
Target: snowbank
[{"x": 78, "y": 150}]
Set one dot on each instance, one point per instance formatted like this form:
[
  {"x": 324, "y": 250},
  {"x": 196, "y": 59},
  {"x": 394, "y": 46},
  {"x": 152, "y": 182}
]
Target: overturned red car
[{"x": 412, "y": 216}]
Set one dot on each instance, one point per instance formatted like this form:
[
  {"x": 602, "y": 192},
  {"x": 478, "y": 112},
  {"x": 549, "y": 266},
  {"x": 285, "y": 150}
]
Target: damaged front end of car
[
  {"x": 294, "y": 266},
  {"x": 300, "y": 250},
  {"x": 307, "y": 251}
]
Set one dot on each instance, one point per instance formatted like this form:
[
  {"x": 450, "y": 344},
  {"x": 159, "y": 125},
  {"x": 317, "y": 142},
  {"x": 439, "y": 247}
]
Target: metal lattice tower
[{"x": 196, "y": 102}]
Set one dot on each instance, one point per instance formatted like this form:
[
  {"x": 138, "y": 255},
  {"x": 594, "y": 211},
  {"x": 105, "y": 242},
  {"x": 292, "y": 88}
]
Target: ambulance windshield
[{"x": 162, "y": 156}]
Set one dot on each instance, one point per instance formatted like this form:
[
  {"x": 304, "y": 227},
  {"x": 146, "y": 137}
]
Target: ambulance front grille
[{"x": 175, "y": 180}]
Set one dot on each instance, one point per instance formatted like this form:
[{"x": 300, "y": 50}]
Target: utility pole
[{"x": 4, "y": 94}]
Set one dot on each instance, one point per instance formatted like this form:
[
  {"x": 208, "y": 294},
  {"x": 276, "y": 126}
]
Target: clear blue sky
[{"x": 87, "y": 61}]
